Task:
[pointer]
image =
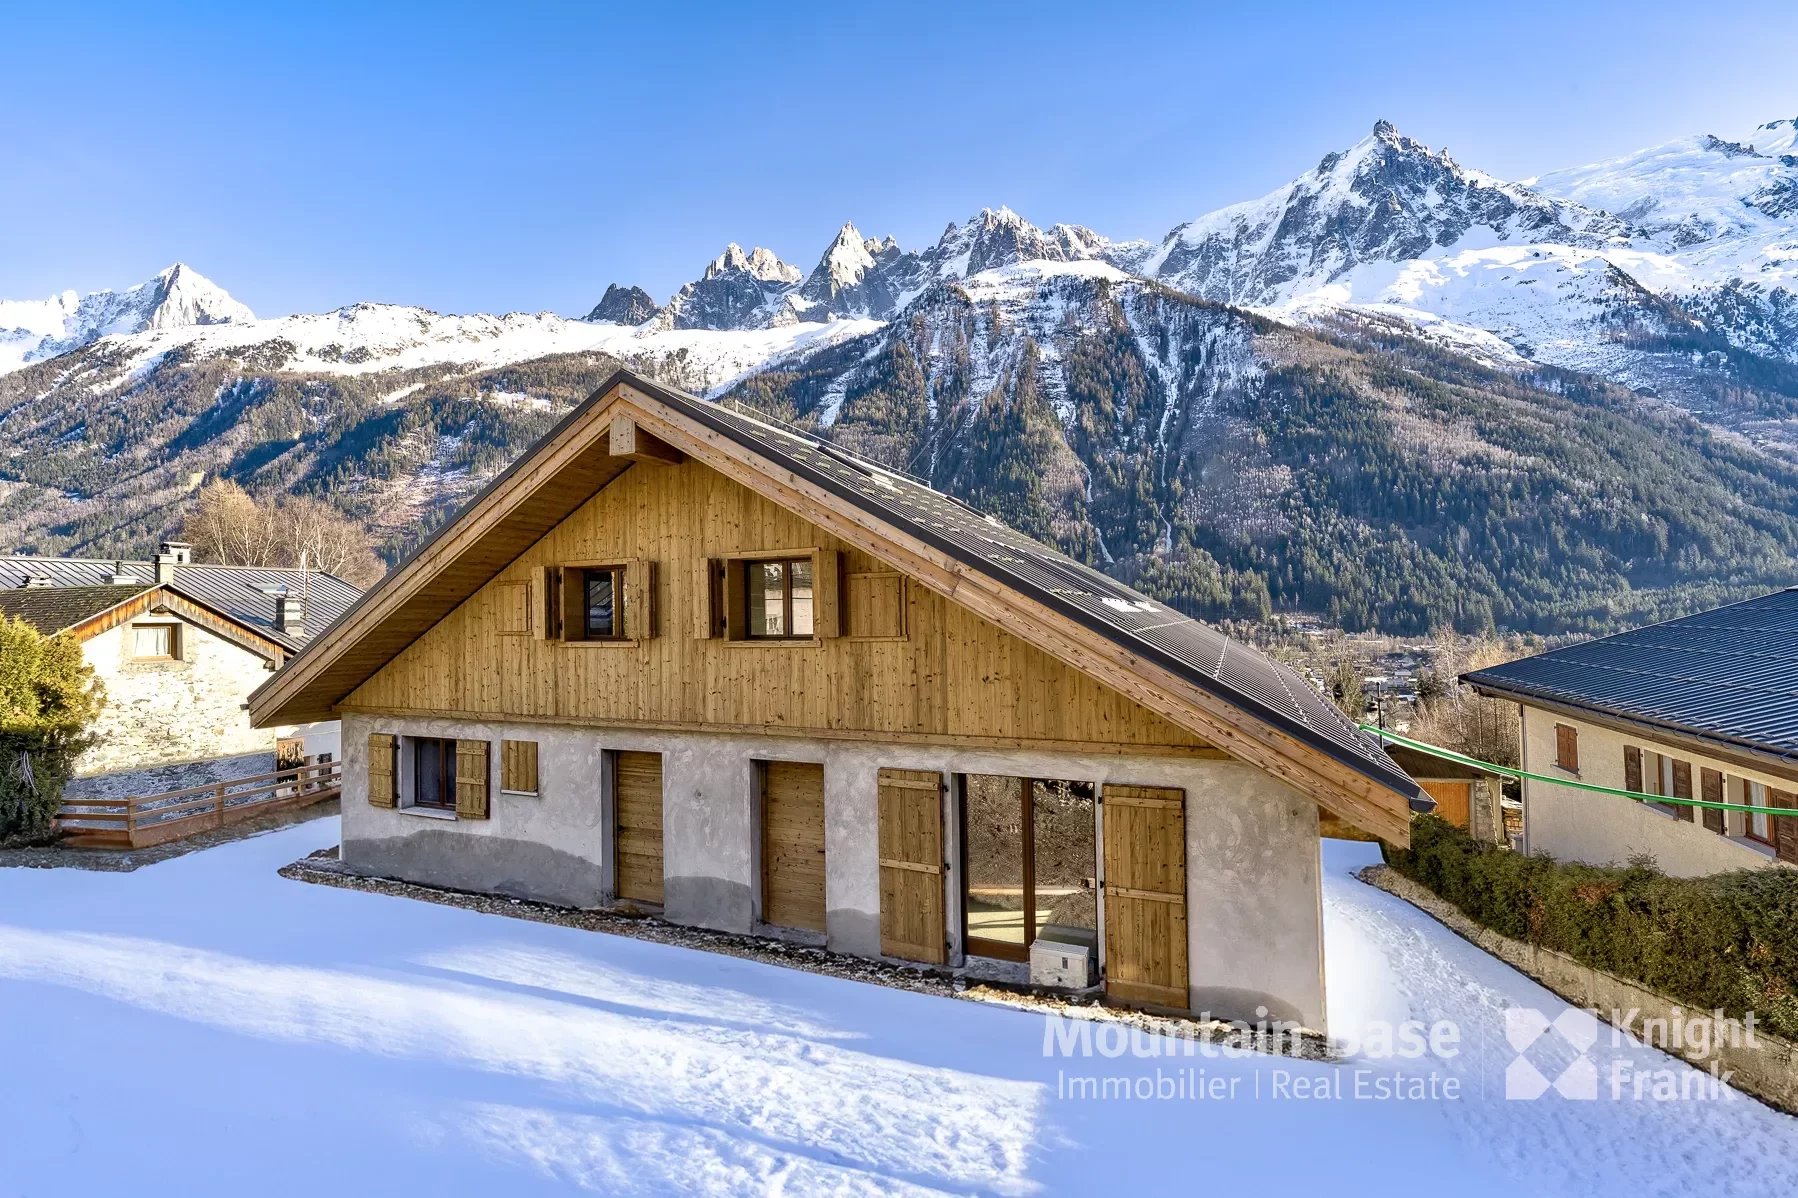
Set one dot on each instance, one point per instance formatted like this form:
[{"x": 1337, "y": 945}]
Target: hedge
[{"x": 1725, "y": 941}]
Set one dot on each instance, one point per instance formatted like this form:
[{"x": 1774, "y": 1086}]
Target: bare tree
[
  {"x": 230, "y": 526},
  {"x": 1453, "y": 716},
  {"x": 227, "y": 526},
  {"x": 329, "y": 541}
]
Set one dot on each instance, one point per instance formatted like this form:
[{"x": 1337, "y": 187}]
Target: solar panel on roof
[{"x": 1186, "y": 647}]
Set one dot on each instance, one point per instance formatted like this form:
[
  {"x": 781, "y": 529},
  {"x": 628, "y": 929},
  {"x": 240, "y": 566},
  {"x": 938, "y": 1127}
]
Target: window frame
[
  {"x": 571, "y": 600},
  {"x": 171, "y": 627},
  {"x": 1749, "y": 787},
  {"x": 748, "y": 565},
  {"x": 446, "y": 774}
]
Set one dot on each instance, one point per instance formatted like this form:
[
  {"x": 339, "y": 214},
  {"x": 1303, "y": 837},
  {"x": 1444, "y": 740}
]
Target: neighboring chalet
[
  {"x": 1705, "y": 707},
  {"x": 679, "y": 659},
  {"x": 179, "y": 647}
]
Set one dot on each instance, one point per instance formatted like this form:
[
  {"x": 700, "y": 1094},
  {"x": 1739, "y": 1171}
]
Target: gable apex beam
[{"x": 628, "y": 440}]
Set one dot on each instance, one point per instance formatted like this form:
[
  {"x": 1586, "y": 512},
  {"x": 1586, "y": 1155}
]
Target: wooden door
[
  {"x": 637, "y": 844},
  {"x": 1452, "y": 800},
  {"x": 911, "y": 865},
  {"x": 793, "y": 844},
  {"x": 1145, "y": 895}
]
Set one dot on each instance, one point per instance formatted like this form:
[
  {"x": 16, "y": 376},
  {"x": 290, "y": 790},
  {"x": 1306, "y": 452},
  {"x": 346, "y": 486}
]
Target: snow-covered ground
[{"x": 202, "y": 1026}]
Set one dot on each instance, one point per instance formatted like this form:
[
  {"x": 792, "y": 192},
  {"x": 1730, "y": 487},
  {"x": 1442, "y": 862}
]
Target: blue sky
[{"x": 496, "y": 157}]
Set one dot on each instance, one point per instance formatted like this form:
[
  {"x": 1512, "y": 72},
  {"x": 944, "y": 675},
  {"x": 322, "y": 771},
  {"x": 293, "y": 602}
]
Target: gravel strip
[{"x": 324, "y": 868}]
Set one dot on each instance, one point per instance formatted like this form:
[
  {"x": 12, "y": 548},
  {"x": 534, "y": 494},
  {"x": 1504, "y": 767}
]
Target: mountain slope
[{"x": 1233, "y": 466}]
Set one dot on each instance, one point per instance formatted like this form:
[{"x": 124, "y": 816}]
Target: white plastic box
[{"x": 1061, "y": 966}]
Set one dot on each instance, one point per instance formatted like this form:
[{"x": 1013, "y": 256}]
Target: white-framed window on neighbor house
[{"x": 155, "y": 642}]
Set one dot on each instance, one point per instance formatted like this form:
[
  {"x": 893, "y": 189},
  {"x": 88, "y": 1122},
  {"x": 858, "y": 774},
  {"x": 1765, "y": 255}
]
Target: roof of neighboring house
[
  {"x": 52, "y": 609},
  {"x": 243, "y": 594},
  {"x": 1728, "y": 675},
  {"x": 491, "y": 530}
]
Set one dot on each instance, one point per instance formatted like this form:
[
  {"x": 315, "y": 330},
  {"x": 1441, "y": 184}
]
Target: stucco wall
[
  {"x": 1253, "y": 875},
  {"x": 1596, "y": 829},
  {"x": 174, "y": 711}
]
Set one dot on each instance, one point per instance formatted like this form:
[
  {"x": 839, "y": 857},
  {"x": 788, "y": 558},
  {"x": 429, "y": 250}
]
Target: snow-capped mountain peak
[
  {"x": 844, "y": 265},
  {"x": 758, "y": 263},
  {"x": 176, "y": 297},
  {"x": 1774, "y": 137}
]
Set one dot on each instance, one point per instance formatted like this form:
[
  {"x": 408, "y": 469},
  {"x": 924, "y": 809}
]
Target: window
[
  {"x": 155, "y": 642},
  {"x": 779, "y": 599},
  {"x": 433, "y": 773},
  {"x": 602, "y": 614},
  {"x": 518, "y": 766},
  {"x": 1567, "y": 748},
  {"x": 1758, "y": 826},
  {"x": 1030, "y": 864}
]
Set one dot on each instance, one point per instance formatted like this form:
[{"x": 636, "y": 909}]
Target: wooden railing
[{"x": 138, "y": 821}]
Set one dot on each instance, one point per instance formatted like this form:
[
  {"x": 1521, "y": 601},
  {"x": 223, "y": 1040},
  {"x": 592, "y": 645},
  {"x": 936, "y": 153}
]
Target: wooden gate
[
  {"x": 1145, "y": 896},
  {"x": 793, "y": 844},
  {"x": 911, "y": 865},
  {"x": 637, "y": 797}
]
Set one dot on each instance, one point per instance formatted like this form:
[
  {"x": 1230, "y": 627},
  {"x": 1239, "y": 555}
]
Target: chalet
[
  {"x": 179, "y": 647},
  {"x": 679, "y": 659},
  {"x": 1698, "y": 708}
]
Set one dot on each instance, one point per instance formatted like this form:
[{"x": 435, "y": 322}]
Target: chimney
[
  {"x": 119, "y": 577},
  {"x": 290, "y": 615},
  {"x": 172, "y": 554},
  {"x": 35, "y": 581}
]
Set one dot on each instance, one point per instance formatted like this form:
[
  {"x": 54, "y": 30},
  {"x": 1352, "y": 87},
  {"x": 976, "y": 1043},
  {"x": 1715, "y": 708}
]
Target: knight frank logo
[{"x": 1535, "y": 1038}]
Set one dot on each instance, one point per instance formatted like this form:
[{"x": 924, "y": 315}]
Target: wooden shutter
[
  {"x": 382, "y": 752},
  {"x": 911, "y": 865},
  {"x": 1682, "y": 789},
  {"x": 874, "y": 606},
  {"x": 707, "y": 598},
  {"x": 1145, "y": 895},
  {"x": 1567, "y": 747},
  {"x": 1785, "y": 827},
  {"x": 518, "y": 766},
  {"x": 637, "y": 846},
  {"x": 471, "y": 779},
  {"x": 548, "y": 625},
  {"x": 640, "y": 599},
  {"x": 512, "y": 608},
  {"x": 735, "y": 618},
  {"x": 827, "y": 593},
  {"x": 793, "y": 844},
  {"x": 1632, "y": 769},
  {"x": 1711, "y": 791},
  {"x": 573, "y": 615}
]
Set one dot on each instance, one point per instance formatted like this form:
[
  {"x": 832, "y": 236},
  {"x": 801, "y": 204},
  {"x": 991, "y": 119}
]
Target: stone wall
[
  {"x": 1255, "y": 929},
  {"x": 163, "y": 712}
]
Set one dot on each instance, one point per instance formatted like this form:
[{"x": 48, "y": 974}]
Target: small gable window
[
  {"x": 601, "y": 614},
  {"x": 155, "y": 642}
]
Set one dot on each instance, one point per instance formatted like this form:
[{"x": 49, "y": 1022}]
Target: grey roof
[
  {"x": 1240, "y": 675},
  {"x": 1729, "y": 675},
  {"x": 52, "y": 609},
  {"x": 243, "y": 594}
]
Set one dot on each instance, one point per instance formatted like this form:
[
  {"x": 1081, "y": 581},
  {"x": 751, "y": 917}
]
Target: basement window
[{"x": 778, "y": 599}]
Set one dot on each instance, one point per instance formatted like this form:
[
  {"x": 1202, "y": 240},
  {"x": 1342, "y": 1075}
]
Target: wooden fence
[{"x": 139, "y": 821}]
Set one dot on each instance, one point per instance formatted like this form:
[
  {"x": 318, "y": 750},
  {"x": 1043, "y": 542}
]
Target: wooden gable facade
[{"x": 905, "y": 664}]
